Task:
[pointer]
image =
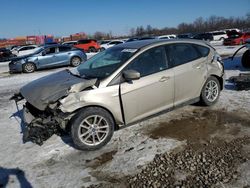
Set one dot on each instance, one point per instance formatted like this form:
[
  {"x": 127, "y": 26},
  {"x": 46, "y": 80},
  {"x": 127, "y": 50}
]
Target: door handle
[{"x": 164, "y": 78}]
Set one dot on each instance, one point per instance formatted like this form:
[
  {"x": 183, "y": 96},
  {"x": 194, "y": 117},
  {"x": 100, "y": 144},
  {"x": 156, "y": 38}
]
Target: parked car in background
[
  {"x": 111, "y": 44},
  {"x": 24, "y": 50},
  {"x": 166, "y": 37},
  {"x": 5, "y": 54},
  {"x": 70, "y": 43},
  {"x": 48, "y": 57},
  {"x": 219, "y": 35},
  {"x": 121, "y": 86},
  {"x": 204, "y": 36},
  {"x": 140, "y": 38},
  {"x": 88, "y": 45},
  {"x": 185, "y": 36},
  {"x": 103, "y": 41},
  {"x": 237, "y": 38}
]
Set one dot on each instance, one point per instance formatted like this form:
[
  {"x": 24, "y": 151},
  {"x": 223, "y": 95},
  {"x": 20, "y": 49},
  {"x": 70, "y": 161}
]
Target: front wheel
[
  {"x": 92, "y": 128},
  {"x": 29, "y": 67},
  {"x": 210, "y": 91}
]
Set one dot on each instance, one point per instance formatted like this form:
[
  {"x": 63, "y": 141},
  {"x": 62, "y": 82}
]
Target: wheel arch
[
  {"x": 36, "y": 67},
  {"x": 220, "y": 79},
  {"x": 75, "y": 55},
  {"x": 88, "y": 106}
]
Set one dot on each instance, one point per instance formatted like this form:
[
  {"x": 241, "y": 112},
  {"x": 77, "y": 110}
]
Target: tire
[
  {"x": 102, "y": 49},
  {"x": 91, "y": 49},
  {"x": 245, "y": 60},
  {"x": 92, "y": 128},
  {"x": 210, "y": 92},
  {"x": 222, "y": 39},
  {"x": 29, "y": 67},
  {"x": 75, "y": 61}
]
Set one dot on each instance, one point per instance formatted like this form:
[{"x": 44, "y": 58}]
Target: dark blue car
[{"x": 47, "y": 57}]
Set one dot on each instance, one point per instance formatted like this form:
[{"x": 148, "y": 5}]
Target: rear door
[
  {"x": 154, "y": 91},
  {"x": 63, "y": 55},
  {"x": 190, "y": 71}
]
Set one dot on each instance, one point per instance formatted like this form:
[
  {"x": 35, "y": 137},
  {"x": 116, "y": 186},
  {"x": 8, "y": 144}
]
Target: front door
[
  {"x": 154, "y": 91},
  {"x": 48, "y": 58}
]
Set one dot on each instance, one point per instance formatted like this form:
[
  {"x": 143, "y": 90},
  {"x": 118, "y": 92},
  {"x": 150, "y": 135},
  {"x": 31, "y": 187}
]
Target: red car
[
  {"x": 237, "y": 39},
  {"x": 88, "y": 45}
]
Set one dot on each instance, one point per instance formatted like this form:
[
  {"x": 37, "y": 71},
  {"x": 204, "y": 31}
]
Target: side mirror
[
  {"x": 130, "y": 75},
  {"x": 43, "y": 53}
]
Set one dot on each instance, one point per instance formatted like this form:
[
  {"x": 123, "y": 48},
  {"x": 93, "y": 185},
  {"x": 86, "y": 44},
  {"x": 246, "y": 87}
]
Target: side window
[
  {"x": 83, "y": 41},
  {"x": 22, "y": 49},
  {"x": 50, "y": 51},
  {"x": 149, "y": 62},
  {"x": 64, "y": 48},
  {"x": 204, "y": 51},
  {"x": 179, "y": 54}
]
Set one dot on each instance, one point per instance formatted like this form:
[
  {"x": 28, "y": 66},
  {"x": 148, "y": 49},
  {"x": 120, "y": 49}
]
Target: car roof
[{"x": 144, "y": 43}]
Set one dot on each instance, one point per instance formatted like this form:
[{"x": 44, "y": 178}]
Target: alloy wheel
[
  {"x": 211, "y": 91},
  {"x": 93, "y": 130}
]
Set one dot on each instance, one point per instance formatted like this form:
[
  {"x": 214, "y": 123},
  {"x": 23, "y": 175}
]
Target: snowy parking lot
[{"x": 189, "y": 146}]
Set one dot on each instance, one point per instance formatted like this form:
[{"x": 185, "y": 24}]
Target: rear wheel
[
  {"x": 92, "y": 49},
  {"x": 210, "y": 91},
  {"x": 245, "y": 60},
  {"x": 29, "y": 67},
  {"x": 92, "y": 128},
  {"x": 75, "y": 61}
]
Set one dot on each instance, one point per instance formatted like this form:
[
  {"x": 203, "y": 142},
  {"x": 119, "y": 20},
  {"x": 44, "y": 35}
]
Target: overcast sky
[{"x": 64, "y": 17}]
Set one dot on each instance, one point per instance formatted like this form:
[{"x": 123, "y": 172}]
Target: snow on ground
[{"x": 58, "y": 164}]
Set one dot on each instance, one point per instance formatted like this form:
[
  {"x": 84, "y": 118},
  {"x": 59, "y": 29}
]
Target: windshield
[
  {"x": 38, "y": 50},
  {"x": 105, "y": 63}
]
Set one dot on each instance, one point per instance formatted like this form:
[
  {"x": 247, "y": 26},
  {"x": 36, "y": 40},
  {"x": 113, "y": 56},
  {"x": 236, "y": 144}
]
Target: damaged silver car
[{"x": 119, "y": 87}]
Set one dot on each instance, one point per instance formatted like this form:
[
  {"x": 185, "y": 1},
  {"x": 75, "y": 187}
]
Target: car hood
[
  {"x": 49, "y": 89},
  {"x": 21, "y": 57}
]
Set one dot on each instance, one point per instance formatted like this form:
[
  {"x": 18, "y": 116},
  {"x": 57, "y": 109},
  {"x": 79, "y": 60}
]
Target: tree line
[{"x": 199, "y": 25}]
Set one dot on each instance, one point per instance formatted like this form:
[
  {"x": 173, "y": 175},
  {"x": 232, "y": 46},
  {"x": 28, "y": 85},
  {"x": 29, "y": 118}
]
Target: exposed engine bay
[{"x": 41, "y": 113}]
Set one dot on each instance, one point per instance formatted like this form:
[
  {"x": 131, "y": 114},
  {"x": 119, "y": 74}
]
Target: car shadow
[
  {"x": 18, "y": 115},
  {"x": 5, "y": 174}
]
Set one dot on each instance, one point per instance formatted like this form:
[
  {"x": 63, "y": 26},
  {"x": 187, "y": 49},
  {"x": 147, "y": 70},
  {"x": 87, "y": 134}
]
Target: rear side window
[
  {"x": 83, "y": 41},
  {"x": 149, "y": 62},
  {"x": 64, "y": 48},
  {"x": 204, "y": 51},
  {"x": 179, "y": 54}
]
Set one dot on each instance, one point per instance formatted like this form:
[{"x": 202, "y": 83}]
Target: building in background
[{"x": 38, "y": 40}]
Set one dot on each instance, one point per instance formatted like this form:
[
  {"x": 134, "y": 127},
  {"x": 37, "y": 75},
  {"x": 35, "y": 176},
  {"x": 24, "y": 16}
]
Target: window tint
[
  {"x": 115, "y": 42},
  {"x": 181, "y": 53},
  {"x": 149, "y": 62},
  {"x": 50, "y": 50},
  {"x": 64, "y": 48},
  {"x": 83, "y": 41},
  {"x": 204, "y": 51},
  {"x": 22, "y": 49}
]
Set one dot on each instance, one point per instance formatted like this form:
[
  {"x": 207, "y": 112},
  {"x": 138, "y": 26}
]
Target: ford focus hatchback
[{"x": 121, "y": 86}]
